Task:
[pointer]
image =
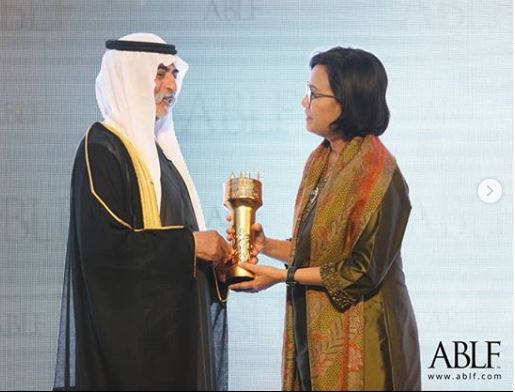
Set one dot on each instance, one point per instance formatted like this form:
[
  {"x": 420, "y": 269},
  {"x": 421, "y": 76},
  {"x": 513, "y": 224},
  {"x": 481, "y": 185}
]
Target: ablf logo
[{"x": 467, "y": 354}]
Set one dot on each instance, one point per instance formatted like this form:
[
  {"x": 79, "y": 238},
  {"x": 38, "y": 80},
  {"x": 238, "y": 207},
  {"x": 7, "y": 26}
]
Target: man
[{"x": 141, "y": 308}]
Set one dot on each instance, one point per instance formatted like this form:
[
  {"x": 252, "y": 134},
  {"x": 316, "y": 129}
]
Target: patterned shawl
[{"x": 346, "y": 203}]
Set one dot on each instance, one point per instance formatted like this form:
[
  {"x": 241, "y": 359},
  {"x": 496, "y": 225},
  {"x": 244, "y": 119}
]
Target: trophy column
[{"x": 242, "y": 197}]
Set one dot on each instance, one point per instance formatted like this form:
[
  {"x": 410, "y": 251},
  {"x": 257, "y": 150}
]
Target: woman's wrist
[
  {"x": 281, "y": 275},
  {"x": 266, "y": 243}
]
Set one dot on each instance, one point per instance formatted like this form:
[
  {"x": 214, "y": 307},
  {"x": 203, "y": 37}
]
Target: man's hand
[
  {"x": 211, "y": 246},
  {"x": 222, "y": 268}
]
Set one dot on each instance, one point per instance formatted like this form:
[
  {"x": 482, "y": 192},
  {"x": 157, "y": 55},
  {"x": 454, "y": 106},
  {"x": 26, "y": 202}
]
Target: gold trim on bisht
[
  {"x": 217, "y": 289},
  {"x": 151, "y": 218}
]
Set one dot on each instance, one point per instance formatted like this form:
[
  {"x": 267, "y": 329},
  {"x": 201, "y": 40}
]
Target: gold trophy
[{"x": 242, "y": 197}]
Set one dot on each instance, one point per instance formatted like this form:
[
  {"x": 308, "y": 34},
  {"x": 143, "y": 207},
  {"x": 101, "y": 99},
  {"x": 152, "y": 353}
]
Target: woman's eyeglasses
[{"x": 311, "y": 95}]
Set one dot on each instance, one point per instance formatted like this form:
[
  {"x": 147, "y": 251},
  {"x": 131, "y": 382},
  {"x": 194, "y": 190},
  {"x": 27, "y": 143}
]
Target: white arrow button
[{"x": 489, "y": 191}]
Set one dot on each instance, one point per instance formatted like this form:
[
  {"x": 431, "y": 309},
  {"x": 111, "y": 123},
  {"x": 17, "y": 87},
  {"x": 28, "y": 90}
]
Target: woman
[{"x": 349, "y": 320}]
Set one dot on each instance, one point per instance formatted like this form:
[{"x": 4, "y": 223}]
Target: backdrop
[{"x": 450, "y": 95}]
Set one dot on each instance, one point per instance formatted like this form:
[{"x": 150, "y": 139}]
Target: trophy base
[{"x": 237, "y": 275}]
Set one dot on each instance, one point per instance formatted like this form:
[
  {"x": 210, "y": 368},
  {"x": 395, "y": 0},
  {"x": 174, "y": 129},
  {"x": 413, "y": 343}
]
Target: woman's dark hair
[{"x": 358, "y": 80}]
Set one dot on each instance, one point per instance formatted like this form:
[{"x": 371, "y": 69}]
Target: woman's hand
[
  {"x": 258, "y": 235},
  {"x": 264, "y": 277},
  {"x": 259, "y": 242}
]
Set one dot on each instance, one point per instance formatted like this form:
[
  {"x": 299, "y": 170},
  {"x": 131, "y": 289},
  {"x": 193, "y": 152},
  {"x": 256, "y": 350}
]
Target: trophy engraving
[{"x": 242, "y": 197}]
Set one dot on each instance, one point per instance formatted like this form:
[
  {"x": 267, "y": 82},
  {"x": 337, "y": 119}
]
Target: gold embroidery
[
  {"x": 92, "y": 187},
  {"x": 341, "y": 299},
  {"x": 151, "y": 218},
  {"x": 217, "y": 287}
]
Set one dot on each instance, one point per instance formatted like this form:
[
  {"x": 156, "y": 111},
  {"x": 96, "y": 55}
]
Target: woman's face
[{"x": 323, "y": 108}]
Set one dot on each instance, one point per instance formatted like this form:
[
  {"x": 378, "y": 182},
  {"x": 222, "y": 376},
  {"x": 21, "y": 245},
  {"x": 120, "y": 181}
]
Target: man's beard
[{"x": 170, "y": 98}]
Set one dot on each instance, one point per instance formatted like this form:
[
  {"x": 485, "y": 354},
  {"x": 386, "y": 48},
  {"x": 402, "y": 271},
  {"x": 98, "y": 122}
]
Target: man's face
[{"x": 166, "y": 87}]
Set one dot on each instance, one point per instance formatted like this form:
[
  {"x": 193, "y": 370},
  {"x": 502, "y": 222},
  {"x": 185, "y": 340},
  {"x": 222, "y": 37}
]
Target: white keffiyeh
[{"x": 125, "y": 95}]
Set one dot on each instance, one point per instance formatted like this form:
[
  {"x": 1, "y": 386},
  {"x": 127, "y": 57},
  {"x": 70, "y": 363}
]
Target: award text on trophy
[{"x": 242, "y": 197}]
